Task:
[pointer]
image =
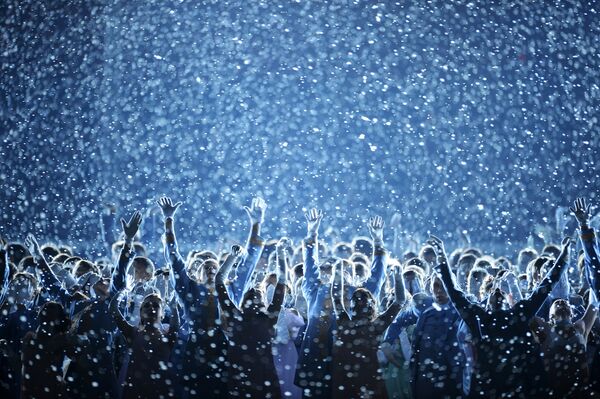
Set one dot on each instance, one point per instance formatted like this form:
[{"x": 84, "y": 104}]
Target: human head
[
  {"x": 342, "y": 250},
  {"x": 27, "y": 264},
  {"x": 362, "y": 245},
  {"x": 362, "y": 304},
  {"x": 551, "y": 251},
  {"x": 83, "y": 267},
  {"x": 525, "y": 256},
  {"x": 323, "y": 249},
  {"x": 497, "y": 300},
  {"x": 413, "y": 280},
  {"x": 253, "y": 300},
  {"x": 475, "y": 280},
  {"x": 201, "y": 254},
  {"x": 297, "y": 272},
  {"x": 407, "y": 255},
  {"x": 427, "y": 254},
  {"x": 16, "y": 252},
  {"x": 438, "y": 290},
  {"x": 416, "y": 262},
  {"x": 87, "y": 282},
  {"x": 503, "y": 263},
  {"x": 347, "y": 269},
  {"x": 194, "y": 267},
  {"x": 486, "y": 262},
  {"x": 473, "y": 251},
  {"x": 151, "y": 309},
  {"x": 60, "y": 258},
  {"x": 560, "y": 311},
  {"x": 102, "y": 287},
  {"x": 463, "y": 268},
  {"x": 143, "y": 269},
  {"x": 361, "y": 273},
  {"x": 325, "y": 271},
  {"x": 454, "y": 257},
  {"x": 23, "y": 288},
  {"x": 70, "y": 263},
  {"x": 208, "y": 271},
  {"x": 53, "y": 319},
  {"x": 534, "y": 270}
]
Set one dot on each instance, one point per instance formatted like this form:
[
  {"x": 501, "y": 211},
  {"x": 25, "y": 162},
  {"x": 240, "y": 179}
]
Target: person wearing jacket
[{"x": 508, "y": 361}]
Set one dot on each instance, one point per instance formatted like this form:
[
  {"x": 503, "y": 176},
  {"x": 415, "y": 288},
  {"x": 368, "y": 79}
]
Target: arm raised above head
[
  {"x": 225, "y": 301},
  {"x": 465, "y": 308},
  {"x": 529, "y": 307},
  {"x": 183, "y": 283},
  {"x": 310, "y": 252},
  {"x": 254, "y": 248},
  {"x": 130, "y": 229},
  {"x": 377, "y": 277},
  {"x": 126, "y": 329}
]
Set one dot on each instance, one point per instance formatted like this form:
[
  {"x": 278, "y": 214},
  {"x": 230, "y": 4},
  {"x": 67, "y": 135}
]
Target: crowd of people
[{"x": 315, "y": 319}]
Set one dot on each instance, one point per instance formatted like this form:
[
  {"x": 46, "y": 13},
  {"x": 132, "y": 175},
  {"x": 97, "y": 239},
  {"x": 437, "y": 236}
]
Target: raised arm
[
  {"x": 173, "y": 324},
  {"x": 254, "y": 247},
  {"x": 282, "y": 247},
  {"x": 119, "y": 275},
  {"x": 589, "y": 317},
  {"x": 183, "y": 283},
  {"x": 387, "y": 317},
  {"x": 465, "y": 308},
  {"x": 126, "y": 329},
  {"x": 587, "y": 236},
  {"x": 310, "y": 253},
  {"x": 513, "y": 285},
  {"x": 337, "y": 291},
  {"x": 529, "y": 307},
  {"x": 402, "y": 320},
  {"x": 225, "y": 301},
  {"x": 376, "y": 279},
  {"x": 49, "y": 279}
]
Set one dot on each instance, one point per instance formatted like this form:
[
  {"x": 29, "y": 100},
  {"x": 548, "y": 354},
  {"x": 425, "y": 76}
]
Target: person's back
[
  {"x": 43, "y": 353},
  {"x": 564, "y": 354},
  {"x": 91, "y": 373},
  {"x": 250, "y": 355},
  {"x": 508, "y": 357},
  {"x": 42, "y": 360},
  {"x": 436, "y": 364},
  {"x": 147, "y": 373}
]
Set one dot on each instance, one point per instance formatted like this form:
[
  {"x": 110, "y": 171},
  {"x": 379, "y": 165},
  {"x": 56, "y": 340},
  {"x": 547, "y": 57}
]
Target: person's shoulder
[{"x": 428, "y": 313}]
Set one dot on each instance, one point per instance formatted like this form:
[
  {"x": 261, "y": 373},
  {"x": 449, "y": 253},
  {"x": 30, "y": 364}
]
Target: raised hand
[
  {"x": 32, "y": 245},
  {"x": 167, "y": 207},
  {"x": 581, "y": 211},
  {"x": 236, "y": 250},
  {"x": 438, "y": 246},
  {"x": 256, "y": 211},
  {"x": 566, "y": 243},
  {"x": 376, "y": 229},
  {"x": 130, "y": 229},
  {"x": 313, "y": 217}
]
